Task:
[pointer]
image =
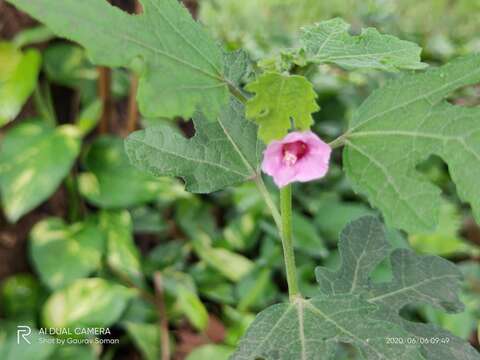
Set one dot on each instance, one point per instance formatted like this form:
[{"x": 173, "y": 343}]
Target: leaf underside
[
  {"x": 220, "y": 154},
  {"x": 401, "y": 125},
  {"x": 330, "y": 42},
  {"x": 181, "y": 66},
  {"x": 352, "y": 309},
  {"x": 278, "y": 100}
]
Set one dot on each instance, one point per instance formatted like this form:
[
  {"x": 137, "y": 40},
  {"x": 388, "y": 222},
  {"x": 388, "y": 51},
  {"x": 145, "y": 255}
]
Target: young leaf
[
  {"x": 279, "y": 99},
  {"x": 80, "y": 244},
  {"x": 402, "y": 124},
  {"x": 220, "y": 154},
  {"x": 181, "y": 66},
  {"x": 330, "y": 42},
  {"x": 18, "y": 78},
  {"x": 352, "y": 309},
  {"x": 34, "y": 159}
]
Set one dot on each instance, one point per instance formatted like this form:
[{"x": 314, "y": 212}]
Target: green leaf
[
  {"x": 352, "y": 309},
  {"x": 31, "y": 36},
  {"x": 89, "y": 117},
  {"x": 181, "y": 288},
  {"x": 34, "y": 159},
  {"x": 18, "y": 78},
  {"x": 10, "y": 349},
  {"x": 278, "y": 100},
  {"x": 67, "y": 64},
  {"x": 236, "y": 67},
  {"x": 330, "y": 42},
  {"x": 220, "y": 154},
  {"x": 210, "y": 351},
  {"x": 86, "y": 303},
  {"x": 20, "y": 295},
  {"x": 146, "y": 338},
  {"x": 181, "y": 66},
  {"x": 402, "y": 124},
  {"x": 74, "y": 352},
  {"x": 123, "y": 256},
  {"x": 306, "y": 328},
  {"x": 110, "y": 180},
  {"x": 332, "y": 214},
  {"x": 445, "y": 239},
  {"x": 231, "y": 265},
  {"x": 256, "y": 290},
  {"x": 81, "y": 246}
]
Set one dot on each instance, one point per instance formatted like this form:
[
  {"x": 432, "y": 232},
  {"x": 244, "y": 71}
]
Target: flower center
[{"x": 292, "y": 152}]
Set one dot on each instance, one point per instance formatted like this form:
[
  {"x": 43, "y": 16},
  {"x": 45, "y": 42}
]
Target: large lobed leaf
[
  {"x": 181, "y": 66},
  {"x": 352, "y": 309},
  {"x": 220, "y": 154},
  {"x": 401, "y": 125},
  {"x": 330, "y": 42}
]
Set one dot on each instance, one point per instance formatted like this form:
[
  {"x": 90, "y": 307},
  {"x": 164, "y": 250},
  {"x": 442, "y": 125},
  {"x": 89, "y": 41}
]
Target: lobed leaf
[
  {"x": 181, "y": 66},
  {"x": 278, "y": 100},
  {"x": 352, "y": 309},
  {"x": 401, "y": 125},
  {"x": 220, "y": 154},
  {"x": 330, "y": 42}
]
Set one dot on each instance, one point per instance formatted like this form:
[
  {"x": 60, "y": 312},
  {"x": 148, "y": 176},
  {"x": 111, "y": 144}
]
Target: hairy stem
[
  {"x": 338, "y": 142},
  {"x": 287, "y": 241}
]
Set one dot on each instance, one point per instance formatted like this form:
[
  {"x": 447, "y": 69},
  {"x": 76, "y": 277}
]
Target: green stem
[
  {"x": 338, "y": 142},
  {"x": 287, "y": 241}
]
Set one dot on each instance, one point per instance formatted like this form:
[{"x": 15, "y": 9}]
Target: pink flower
[{"x": 299, "y": 156}]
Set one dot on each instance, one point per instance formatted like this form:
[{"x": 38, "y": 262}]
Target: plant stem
[
  {"x": 338, "y": 142},
  {"x": 164, "y": 337},
  {"x": 287, "y": 240},
  {"x": 43, "y": 104},
  {"x": 104, "y": 91}
]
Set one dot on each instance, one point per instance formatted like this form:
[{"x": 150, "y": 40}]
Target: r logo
[{"x": 23, "y": 331}]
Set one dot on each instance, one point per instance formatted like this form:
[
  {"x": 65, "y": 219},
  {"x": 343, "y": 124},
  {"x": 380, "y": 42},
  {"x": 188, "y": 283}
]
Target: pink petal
[{"x": 313, "y": 165}]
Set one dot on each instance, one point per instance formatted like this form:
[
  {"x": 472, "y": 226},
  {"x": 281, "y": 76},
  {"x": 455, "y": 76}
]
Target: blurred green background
[{"x": 86, "y": 240}]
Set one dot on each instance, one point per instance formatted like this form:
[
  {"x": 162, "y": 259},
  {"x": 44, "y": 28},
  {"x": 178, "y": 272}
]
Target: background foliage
[{"x": 86, "y": 232}]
